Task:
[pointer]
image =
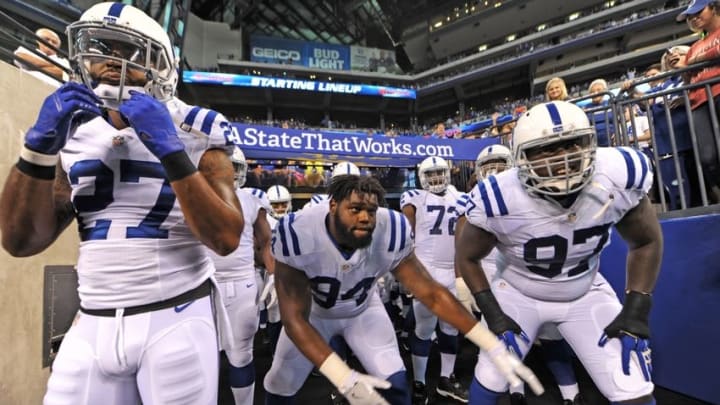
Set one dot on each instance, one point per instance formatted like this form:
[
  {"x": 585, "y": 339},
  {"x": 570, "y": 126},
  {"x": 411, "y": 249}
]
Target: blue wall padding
[{"x": 685, "y": 318}]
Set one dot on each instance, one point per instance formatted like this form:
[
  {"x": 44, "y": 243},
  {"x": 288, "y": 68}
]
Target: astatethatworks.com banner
[{"x": 263, "y": 142}]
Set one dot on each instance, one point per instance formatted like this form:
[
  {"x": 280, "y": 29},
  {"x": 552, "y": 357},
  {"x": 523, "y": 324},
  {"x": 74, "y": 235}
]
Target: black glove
[
  {"x": 499, "y": 323},
  {"x": 631, "y": 326}
]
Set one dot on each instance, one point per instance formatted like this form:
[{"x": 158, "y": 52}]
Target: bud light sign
[{"x": 291, "y": 52}]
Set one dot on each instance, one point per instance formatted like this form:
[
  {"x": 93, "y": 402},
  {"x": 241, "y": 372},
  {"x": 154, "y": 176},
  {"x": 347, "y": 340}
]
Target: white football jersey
[
  {"x": 316, "y": 199},
  {"x": 549, "y": 252},
  {"x": 272, "y": 221},
  {"x": 240, "y": 264},
  {"x": 135, "y": 245},
  {"x": 435, "y": 218},
  {"x": 340, "y": 285},
  {"x": 487, "y": 262}
]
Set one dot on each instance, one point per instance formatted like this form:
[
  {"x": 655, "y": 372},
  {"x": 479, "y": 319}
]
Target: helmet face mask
[
  {"x": 280, "y": 201},
  {"x": 491, "y": 160},
  {"x": 554, "y": 148},
  {"x": 434, "y": 173},
  {"x": 114, "y": 54}
]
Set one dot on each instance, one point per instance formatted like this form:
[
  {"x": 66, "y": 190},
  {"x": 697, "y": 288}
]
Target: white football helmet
[
  {"x": 434, "y": 173},
  {"x": 240, "y": 166},
  {"x": 124, "y": 37},
  {"x": 491, "y": 160},
  {"x": 554, "y": 148},
  {"x": 345, "y": 168},
  {"x": 280, "y": 200}
]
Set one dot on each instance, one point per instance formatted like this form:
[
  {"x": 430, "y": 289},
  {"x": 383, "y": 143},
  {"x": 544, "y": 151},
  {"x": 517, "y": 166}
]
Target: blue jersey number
[
  {"x": 552, "y": 266},
  {"x": 437, "y": 227},
  {"x": 130, "y": 172},
  {"x": 326, "y": 290}
]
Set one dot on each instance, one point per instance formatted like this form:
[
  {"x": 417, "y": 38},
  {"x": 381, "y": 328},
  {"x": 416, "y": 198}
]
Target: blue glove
[
  {"x": 509, "y": 338},
  {"x": 633, "y": 344},
  {"x": 631, "y": 326},
  {"x": 61, "y": 112},
  {"x": 151, "y": 120}
]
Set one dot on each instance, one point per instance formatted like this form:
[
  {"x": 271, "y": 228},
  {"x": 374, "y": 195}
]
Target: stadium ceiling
[{"x": 373, "y": 23}]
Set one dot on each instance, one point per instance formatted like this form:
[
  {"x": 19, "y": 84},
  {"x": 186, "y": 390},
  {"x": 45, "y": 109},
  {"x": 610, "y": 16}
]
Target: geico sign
[{"x": 271, "y": 53}]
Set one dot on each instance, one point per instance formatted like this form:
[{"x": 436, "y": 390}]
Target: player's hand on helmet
[
  {"x": 61, "y": 112},
  {"x": 465, "y": 296},
  {"x": 269, "y": 291},
  {"x": 361, "y": 389},
  {"x": 631, "y": 326},
  {"x": 513, "y": 369},
  {"x": 151, "y": 120}
]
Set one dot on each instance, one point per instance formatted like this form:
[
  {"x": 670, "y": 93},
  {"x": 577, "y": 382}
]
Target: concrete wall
[
  {"x": 208, "y": 41},
  {"x": 22, "y": 378}
]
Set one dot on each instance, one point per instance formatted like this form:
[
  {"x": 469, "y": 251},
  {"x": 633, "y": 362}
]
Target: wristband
[
  {"x": 335, "y": 369},
  {"x": 178, "y": 165},
  {"x": 483, "y": 338},
  {"x": 37, "y": 158},
  {"x": 36, "y": 171},
  {"x": 487, "y": 303},
  {"x": 637, "y": 305}
]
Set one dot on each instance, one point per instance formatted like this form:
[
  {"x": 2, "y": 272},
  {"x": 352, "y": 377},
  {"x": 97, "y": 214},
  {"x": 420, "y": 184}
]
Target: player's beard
[{"x": 346, "y": 236}]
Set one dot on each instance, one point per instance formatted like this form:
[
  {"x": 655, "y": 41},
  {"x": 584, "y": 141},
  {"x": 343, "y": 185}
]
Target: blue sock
[
  {"x": 480, "y": 395},
  {"x": 399, "y": 393},
  {"x": 339, "y": 346},
  {"x": 242, "y": 376},
  {"x": 559, "y": 360}
]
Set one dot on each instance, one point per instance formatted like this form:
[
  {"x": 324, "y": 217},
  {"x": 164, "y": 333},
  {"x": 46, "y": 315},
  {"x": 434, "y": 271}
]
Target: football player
[
  {"x": 328, "y": 258},
  {"x": 149, "y": 181},
  {"x": 239, "y": 287},
  {"x": 495, "y": 159},
  {"x": 281, "y": 203},
  {"x": 550, "y": 218},
  {"x": 431, "y": 212}
]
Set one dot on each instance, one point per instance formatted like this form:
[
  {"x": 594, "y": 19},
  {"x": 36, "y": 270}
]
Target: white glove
[
  {"x": 357, "y": 388},
  {"x": 269, "y": 290},
  {"x": 514, "y": 370},
  {"x": 465, "y": 296}
]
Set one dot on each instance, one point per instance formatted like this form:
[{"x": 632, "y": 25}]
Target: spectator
[
  {"x": 38, "y": 66},
  {"x": 704, "y": 15},
  {"x": 555, "y": 89},
  {"x": 600, "y": 114}
]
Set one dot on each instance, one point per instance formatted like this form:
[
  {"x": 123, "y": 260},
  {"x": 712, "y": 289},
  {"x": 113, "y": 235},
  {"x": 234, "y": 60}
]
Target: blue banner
[
  {"x": 263, "y": 142},
  {"x": 229, "y": 79},
  {"x": 293, "y": 52}
]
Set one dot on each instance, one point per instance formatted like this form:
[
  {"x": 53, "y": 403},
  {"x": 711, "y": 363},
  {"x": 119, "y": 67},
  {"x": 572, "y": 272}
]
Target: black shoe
[
  {"x": 419, "y": 394},
  {"x": 451, "y": 388},
  {"x": 337, "y": 398},
  {"x": 517, "y": 398},
  {"x": 578, "y": 400}
]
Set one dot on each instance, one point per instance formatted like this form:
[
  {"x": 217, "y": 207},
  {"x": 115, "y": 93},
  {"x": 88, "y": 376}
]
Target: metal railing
[{"x": 684, "y": 160}]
